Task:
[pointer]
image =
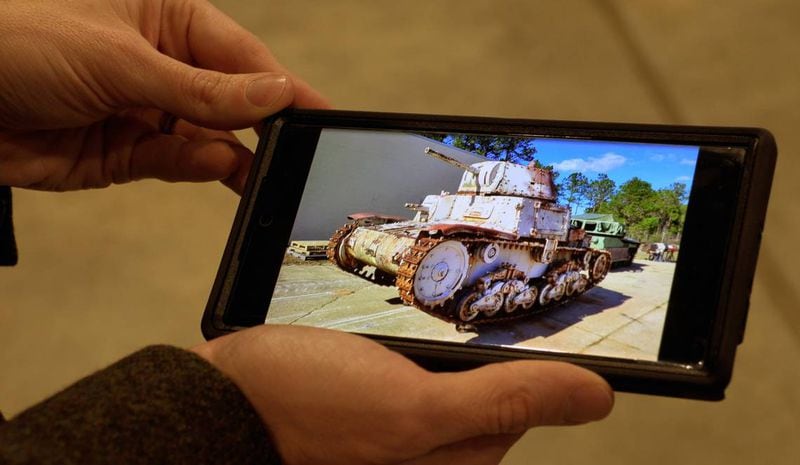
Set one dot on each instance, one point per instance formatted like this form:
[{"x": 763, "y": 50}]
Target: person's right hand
[
  {"x": 330, "y": 397},
  {"x": 85, "y": 83}
]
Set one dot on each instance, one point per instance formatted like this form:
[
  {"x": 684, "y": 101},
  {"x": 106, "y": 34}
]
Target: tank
[
  {"x": 607, "y": 234},
  {"x": 500, "y": 248}
]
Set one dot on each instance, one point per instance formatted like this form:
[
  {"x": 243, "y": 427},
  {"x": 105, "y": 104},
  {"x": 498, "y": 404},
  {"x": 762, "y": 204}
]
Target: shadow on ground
[{"x": 550, "y": 322}]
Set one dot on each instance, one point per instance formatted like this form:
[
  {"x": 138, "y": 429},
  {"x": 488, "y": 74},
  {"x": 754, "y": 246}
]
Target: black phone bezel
[{"x": 731, "y": 191}]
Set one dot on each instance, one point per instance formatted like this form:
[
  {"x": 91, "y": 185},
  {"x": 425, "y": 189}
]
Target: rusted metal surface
[
  {"x": 375, "y": 218},
  {"x": 498, "y": 249},
  {"x": 505, "y": 178},
  {"x": 513, "y": 290},
  {"x": 514, "y": 216},
  {"x": 449, "y": 229},
  {"x": 378, "y": 248},
  {"x": 337, "y": 254},
  {"x": 450, "y": 160}
]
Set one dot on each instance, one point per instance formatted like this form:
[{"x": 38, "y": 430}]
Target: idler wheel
[
  {"x": 441, "y": 273},
  {"x": 600, "y": 267},
  {"x": 337, "y": 248}
]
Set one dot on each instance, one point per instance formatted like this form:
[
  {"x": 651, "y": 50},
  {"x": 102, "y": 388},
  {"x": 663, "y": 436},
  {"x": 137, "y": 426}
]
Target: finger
[
  {"x": 210, "y": 98},
  {"x": 155, "y": 158},
  {"x": 512, "y": 397},
  {"x": 485, "y": 450},
  {"x": 197, "y": 32},
  {"x": 175, "y": 159},
  {"x": 238, "y": 178},
  {"x": 153, "y": 119}
]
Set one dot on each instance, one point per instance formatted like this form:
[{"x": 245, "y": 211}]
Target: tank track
[
  {"x": 371, "y": 274},
  {"x": 408, "y": 268},
  {"x": 448, "y": 311}
]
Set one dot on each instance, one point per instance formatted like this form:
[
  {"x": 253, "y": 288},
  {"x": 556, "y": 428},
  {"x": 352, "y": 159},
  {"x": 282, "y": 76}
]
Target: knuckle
[
  {"x": 205, "y": 88},
  {"x": 516, "y": 409}
]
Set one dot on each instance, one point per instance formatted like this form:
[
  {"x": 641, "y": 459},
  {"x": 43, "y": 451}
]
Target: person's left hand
[
  {"x": 337, "y": 398},
  {"x": 87, "y": 85}
]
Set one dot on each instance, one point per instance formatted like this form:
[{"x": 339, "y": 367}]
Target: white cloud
[
  {"x": 683, "y": 179},
  {"x": 687, "y": 161},
  {"x": 662, "y": 156},
  {"x": 604, "y": 164}
]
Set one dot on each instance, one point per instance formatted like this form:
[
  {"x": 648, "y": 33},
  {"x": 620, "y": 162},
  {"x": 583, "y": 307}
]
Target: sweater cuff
[
  {"x": 160, "y": 405},
  {"x": 8, "y": 246}
]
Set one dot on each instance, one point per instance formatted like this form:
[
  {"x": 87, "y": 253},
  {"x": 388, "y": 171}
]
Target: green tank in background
[{"x": 609, "y": 235}]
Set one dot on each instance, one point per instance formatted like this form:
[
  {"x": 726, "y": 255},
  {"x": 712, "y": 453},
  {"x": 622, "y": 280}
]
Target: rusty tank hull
[{"x": 497, "y": 249}]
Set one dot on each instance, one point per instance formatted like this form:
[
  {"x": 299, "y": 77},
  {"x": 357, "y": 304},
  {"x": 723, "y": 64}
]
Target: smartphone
[{"x": 458, "y": 241}]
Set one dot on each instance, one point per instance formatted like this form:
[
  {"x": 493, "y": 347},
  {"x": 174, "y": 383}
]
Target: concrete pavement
[{"x": 622, "y": 317}]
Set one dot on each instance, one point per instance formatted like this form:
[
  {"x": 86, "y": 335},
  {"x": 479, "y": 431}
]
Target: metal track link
[{"x": 408, "y": 268}]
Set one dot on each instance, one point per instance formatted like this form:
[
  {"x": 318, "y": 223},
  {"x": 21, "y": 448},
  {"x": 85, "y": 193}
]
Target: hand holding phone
[
  {"x": 332, "y": 397},
  {"x": 627, "y": 249}
]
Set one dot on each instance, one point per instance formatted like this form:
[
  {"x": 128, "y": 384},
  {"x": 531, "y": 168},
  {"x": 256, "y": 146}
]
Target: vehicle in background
[
  {"x": 609, "y": 235},
  {"x": 661, "y": 252}
]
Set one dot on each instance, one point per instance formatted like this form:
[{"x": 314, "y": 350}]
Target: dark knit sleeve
[
  {"x": 161, "y": 405},
  {"x": 8, "y": 247}
]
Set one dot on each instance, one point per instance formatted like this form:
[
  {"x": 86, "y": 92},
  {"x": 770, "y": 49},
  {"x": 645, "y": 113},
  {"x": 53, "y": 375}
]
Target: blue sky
[{"x": 660, "y": 165}]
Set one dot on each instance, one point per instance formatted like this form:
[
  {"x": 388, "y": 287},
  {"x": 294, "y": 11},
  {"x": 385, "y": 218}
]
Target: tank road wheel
[
  {"x": 509, "y": 305},
  {"x": 569, "y": 288},
  {"x": 525, "y": 299},
  {"x": 600, "y": 267},
  {"x": 440, "y": 273},
  {"x": 545, "y": 295},
  {"x": 571, "y": 283},
  {"x": 581, "y": 284},
  {"x": 532, "y": 293},
  {"x": 558, "y": 291},
  {"x": 465, "y": 310}
]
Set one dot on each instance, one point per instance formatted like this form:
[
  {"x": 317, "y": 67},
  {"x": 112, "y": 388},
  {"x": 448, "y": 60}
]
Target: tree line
[{"x": 650, "y": 215}]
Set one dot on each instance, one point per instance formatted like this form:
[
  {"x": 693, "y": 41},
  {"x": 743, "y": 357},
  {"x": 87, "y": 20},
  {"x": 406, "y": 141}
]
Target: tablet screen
[{"x": 545, "y": 244}]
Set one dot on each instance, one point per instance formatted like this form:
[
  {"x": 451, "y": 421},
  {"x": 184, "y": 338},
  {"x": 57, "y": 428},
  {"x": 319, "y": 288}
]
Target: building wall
[{"x": 371, "y": 171}]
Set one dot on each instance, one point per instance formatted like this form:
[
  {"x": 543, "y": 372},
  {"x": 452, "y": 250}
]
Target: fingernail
[
  {"x": 588, "y": 403},
  {"x": 266, "y": 90}
]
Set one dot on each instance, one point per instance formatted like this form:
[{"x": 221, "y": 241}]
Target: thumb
[
  {"x": 509, "y": 398},
  {"x": 212, "y": 99}
]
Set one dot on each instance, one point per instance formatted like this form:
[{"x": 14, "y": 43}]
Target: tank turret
[
  {"x": 499, "y": 248},
  {"x": 502, "y": 178}
]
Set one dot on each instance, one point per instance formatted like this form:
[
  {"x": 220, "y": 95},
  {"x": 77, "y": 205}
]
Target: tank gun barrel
[{"x": 451, "y": 161}]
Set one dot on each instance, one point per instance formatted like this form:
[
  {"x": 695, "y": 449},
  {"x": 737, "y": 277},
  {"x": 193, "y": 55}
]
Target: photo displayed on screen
[{"x": 546, "y": 244}]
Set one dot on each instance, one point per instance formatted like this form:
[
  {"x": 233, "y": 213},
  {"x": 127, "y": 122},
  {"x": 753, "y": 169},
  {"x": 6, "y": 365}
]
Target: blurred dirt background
[{"x": 105, "y": 273}]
